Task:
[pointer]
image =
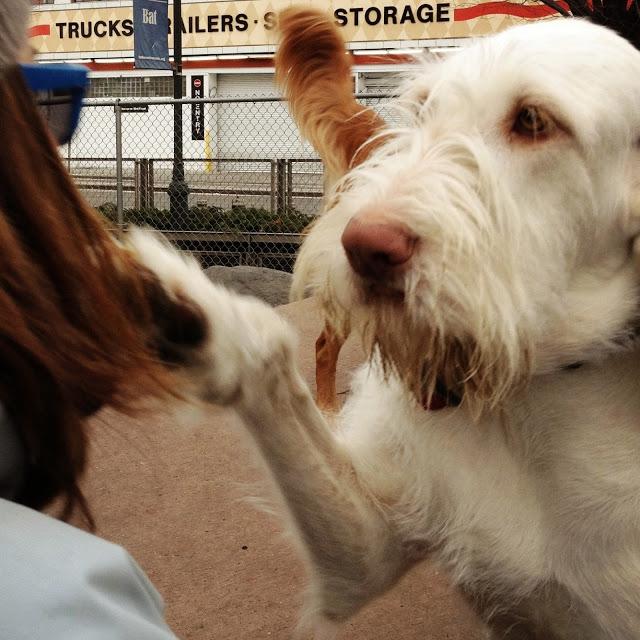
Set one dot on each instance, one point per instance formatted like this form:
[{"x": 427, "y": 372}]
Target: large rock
[{"x": 267, "y": 284}]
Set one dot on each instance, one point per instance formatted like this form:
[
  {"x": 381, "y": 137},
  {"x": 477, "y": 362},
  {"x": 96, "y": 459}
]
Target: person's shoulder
[
  {"x": 57, "y": 581},
  {"x": 43, "y": 536}
]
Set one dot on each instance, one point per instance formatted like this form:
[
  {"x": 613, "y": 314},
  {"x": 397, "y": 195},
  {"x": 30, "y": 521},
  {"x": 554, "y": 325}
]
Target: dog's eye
[{"x": 533, "y": 123}]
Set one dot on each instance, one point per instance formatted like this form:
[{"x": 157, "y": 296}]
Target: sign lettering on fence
[
  {"x": 134, "y": 108},
  {"x": 197, "y": 110},
  {"x": 151, "y": 34}
]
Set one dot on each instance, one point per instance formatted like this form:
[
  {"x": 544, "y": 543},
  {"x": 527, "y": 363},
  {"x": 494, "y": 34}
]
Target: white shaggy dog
[{"x": 486, "y": 252}]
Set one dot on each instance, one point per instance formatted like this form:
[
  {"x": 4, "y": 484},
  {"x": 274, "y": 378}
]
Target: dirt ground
[{"x": 172, "y": 491}]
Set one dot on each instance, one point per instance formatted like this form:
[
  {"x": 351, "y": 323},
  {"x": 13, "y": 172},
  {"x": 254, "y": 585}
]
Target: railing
[
  {"x": 251, "y": 185},
  {"x": 279, "y": 185}
]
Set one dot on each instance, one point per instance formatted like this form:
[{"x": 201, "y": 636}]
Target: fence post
[
  {"x": 274, "y": 185},
  {"x": 119, "y": 184},
  {"x": 288, "y": 203},
  {"x": 282, "y": 186},
  {"x": 137, "y": 183},
  {"x": 144, "y": 184},
  {"x": 149, "y": 186}
]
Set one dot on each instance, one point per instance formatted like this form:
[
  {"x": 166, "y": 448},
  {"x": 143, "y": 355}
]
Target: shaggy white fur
[{"x": 518, "y": 176}]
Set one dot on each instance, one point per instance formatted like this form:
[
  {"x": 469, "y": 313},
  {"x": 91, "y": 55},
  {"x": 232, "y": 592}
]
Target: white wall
[{"x": 237, "y": 129}]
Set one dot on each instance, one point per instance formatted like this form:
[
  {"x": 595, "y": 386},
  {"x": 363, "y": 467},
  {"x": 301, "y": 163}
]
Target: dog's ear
[{"x": 314, "y": 70}]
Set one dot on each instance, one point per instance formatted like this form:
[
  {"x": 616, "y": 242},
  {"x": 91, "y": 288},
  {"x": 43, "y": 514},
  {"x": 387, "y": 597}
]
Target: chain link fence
[{"x": 244, "y": 192}]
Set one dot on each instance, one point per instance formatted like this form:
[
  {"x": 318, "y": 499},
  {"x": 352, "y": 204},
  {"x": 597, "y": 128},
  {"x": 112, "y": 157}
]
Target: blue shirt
[{"x": 60, "y": 583}]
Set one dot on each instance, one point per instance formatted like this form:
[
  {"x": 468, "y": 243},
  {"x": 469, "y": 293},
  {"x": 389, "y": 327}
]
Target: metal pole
[
  {"x": 281, "y": 191},
  {"x": 274, "y": 186},
  {"x": 137, "y": 183},
  {"x": 288, "y": 204},
  {"x": 119, "y": 184},
  {"x": 151, "y": 203},
  {"x": 178, "y": 189}
]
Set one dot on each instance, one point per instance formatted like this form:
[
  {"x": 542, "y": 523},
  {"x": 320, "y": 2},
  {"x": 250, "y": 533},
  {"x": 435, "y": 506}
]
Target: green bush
[{"x": 238, "y": 219}]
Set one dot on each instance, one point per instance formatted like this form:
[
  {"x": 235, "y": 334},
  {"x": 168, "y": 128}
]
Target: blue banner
[{"x": 150, "y": 34}]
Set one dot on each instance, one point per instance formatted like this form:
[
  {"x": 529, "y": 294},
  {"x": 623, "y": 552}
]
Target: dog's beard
[{"x": 417, "y": 347}]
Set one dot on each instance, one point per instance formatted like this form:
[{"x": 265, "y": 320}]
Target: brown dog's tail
[{"x": 314, "y": 70}]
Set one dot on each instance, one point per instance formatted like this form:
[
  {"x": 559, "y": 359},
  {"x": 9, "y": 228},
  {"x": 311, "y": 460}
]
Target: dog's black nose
[{"x": 377, "y": 249}]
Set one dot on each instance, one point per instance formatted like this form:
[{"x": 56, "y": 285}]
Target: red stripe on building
[
  {"x": 505, "y": 8},
  {"x": 40, "y": 30}
]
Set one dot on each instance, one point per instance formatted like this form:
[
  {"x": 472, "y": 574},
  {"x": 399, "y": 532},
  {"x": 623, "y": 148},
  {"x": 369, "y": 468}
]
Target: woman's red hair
[{"x": 76, "y": 326}]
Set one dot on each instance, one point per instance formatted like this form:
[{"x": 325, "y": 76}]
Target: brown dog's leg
[
  {"x": 314, "y": 70},
  {"x": 328, "y": 347}
]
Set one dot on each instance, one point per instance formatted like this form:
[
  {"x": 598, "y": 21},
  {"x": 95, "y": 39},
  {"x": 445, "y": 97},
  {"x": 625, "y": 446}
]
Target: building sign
[
  {"x": 134, "y": 108},
  {"x": 252, "y": 22},
  {"x": 151, "y": 34},
  {"x": 197, "y": 109}
]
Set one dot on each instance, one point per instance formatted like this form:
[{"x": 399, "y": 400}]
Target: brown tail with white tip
[{"x": 314, "y": 70}]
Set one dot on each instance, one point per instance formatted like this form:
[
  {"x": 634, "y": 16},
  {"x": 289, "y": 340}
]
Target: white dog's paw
[
  {"x": 225, "y": 344},
  {"x": 250, "y": 344}
]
